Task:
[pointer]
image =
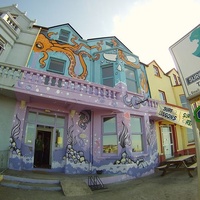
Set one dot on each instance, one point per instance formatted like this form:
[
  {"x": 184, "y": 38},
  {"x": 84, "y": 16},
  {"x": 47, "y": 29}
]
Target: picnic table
[{"x": 185, "y": 162}]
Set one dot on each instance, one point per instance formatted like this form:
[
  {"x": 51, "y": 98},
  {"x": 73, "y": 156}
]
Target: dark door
[{"x": 42, "y": 149}]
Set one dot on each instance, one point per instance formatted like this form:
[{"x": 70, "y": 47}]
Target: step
[{"x": 30, "y": 184}]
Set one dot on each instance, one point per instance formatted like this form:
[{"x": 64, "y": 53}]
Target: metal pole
[{"x": 196, "y": 128}]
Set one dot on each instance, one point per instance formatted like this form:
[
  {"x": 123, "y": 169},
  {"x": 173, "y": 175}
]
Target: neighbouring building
[
  {"x": 88, "y": 100},
  {"x": 174, "y": 131}
]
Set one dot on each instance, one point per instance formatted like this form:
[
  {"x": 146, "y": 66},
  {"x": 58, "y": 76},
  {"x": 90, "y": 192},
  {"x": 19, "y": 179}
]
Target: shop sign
[{"x": 174, "y": 114}]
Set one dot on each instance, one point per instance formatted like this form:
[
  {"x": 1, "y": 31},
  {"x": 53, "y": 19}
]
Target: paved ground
[{"x": 173, "y": 186}]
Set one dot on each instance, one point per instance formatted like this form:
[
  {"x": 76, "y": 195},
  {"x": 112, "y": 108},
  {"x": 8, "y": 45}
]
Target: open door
[{"x": 42, "y": 154}]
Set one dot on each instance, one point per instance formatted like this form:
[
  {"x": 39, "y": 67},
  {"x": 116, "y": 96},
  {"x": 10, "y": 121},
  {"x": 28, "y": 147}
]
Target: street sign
[{"x": 197, "y": 114}]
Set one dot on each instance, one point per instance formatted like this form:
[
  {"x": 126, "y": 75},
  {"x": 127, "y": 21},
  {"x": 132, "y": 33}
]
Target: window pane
[
  {"x": 136, "y": 125},
  {"x": 30, "y": 133},
  {"x": 108, "y": 82},
  {"x": 130, "y": 74},
  {"x": 59, "y": 137},
  {"x": 31, "y": 116},
  {"x": 107, "y": 72},
  {"x": 190, "y": 135},
  {"x": 57, "y": 66},
  {"x": 110, "y": 144},
  {"x": 64, "y": 35},
  {"x": 109, "y": 125},
  {"x": 45, "y": 119},
  {"x": 108, "y": 76},
  {"x": 131, "y": 86},
  {"x": 60, "y": 121},
  {"x": 137, "y": 143}
]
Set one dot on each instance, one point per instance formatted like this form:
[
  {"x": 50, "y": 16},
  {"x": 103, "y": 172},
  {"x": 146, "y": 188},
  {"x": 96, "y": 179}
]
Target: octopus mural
[
  {"x": 44, "y": 45},
  {"x": 84, "y": 119}
]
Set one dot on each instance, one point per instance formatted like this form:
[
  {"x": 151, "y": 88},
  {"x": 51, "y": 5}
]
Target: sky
[{"x": 146, "y": 27}]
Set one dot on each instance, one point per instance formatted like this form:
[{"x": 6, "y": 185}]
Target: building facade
[
  {"x": 174, "y": 131},
  {"x": 88, "y": 100}
]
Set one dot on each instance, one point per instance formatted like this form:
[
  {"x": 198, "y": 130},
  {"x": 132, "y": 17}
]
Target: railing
[
  {"x": 95, "y": 183},
  {"x": 30, "y": 76},
  {"x": 9, "y": 20},
  {"x": 23, "y": 78}
]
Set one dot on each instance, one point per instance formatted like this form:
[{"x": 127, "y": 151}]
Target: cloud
[{"x": 152, "y": 26}]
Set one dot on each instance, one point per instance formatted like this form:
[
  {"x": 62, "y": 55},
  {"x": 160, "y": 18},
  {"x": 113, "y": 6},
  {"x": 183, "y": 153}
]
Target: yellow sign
[{"x": 174, "y": 114}]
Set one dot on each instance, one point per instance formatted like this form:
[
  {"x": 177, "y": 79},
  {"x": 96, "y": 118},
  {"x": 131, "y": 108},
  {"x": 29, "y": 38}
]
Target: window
[
  {"x": 190, "y": 135},
  {"x": 109, "y": 45},
  {"x": 175, "y": 79},
  {"x": 2, "y": 45},
  {"x": 110, "y": 139},
  {"x": 131, "y": 80},
  {"x": 56, "y": 66},
  {"x": 64, "y": 35},
  {"x": 136, "y": 134},
  {"x": 156, "y": 71},
  {"x": 162, "y": 96},
  {"x": 108, "y": 76},
  {"x": 183, "y": 101}
]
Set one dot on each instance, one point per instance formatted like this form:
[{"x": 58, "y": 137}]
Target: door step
[{"x": 30, "y": 183}]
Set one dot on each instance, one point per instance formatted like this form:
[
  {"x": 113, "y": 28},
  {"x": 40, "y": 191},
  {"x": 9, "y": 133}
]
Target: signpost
[{"x": 186, "y": 55}]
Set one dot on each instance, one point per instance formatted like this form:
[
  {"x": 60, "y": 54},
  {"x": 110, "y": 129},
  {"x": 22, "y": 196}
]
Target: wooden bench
[
  {"x": 191, "y": 168},
  {"x": 162, "y": 168}
]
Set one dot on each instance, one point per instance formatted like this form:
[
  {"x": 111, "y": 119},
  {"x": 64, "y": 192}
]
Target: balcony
[
  {"x": 26, "y": 83},
  {"x": 11, "y": 22}
]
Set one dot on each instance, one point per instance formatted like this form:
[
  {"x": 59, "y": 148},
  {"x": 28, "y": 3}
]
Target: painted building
[
  {"x": 89, "y": 100},
  {"x": 17, "y": 36},
  {"x": 174, "y": 131}
]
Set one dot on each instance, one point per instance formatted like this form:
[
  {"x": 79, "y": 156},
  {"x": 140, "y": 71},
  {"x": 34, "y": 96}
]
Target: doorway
[
  {"x": 167, "y": 141},
  {"x": 42, "y": 154}
]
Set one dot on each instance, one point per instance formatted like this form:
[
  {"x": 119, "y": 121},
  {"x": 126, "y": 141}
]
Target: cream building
[{"x": 173, "y": 138}]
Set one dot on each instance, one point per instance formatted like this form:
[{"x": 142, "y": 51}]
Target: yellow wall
[{"x": 173, "y": 90}]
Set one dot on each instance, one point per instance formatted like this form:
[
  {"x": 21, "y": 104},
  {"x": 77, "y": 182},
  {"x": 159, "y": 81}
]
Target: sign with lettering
[
  {"x": 197, "y": 114},
  {"x": 174, "y": 114},
  {"x": 186, "y": 55}
]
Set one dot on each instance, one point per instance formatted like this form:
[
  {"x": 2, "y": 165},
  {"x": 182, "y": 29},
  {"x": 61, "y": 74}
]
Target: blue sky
[{"x": 147, "y": 27}]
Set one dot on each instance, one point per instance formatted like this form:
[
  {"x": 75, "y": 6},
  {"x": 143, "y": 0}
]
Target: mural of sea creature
[
  {"x": 14, "y": 136},
  {"x": 125, "y": 159},
  {"x": 44, "y": 45},
  {"x": 135, "y": 101},
  {"x": 70, "y": 138},
  {"x": 124, "y": 137},
  {"x": 84, "y": 119}
]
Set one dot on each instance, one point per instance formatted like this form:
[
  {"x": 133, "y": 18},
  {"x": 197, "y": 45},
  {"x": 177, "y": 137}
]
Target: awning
[{"x": 174, "y": 114}]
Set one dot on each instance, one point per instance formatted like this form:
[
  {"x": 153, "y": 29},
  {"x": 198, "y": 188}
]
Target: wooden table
[{"x": 185, "y": 162}]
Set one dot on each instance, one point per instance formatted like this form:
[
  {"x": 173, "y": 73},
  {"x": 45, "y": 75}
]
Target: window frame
[
  {"x": 190, "y": 132},
  {"x": 2, "y": 45},
  {"x": 156, "y": 71},
  {"x": 134, "y": 81},
  {"x": 109, "y": 77},
  {"x": 64, "y": 37},
  {"x": 57, "y": 60},
  {"x": 109, "y": 134},
  {"x": 163, "y": 95},
  {"x": 183, "y": 103},
  {"x": 142, "y": 134}
]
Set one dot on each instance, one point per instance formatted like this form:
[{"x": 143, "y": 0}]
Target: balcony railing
[
  {"x": 24, "y": 79},
  {"x": 9, "y": 20}
]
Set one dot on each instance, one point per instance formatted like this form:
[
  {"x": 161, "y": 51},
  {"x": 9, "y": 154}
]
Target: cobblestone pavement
[{"x": 174, "y": 185}]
